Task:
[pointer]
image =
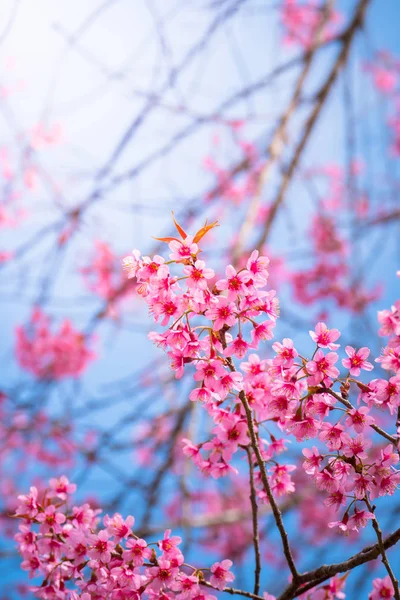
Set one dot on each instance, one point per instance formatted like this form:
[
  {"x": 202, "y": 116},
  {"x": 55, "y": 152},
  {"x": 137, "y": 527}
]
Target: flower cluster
[
  {"x": 329, "y": 278},
  {"x": 384, "y": 70},
  {"x": 80, "y": 558},
  {"x": 302, "y": 21},
  {"x": 103, "y": 275},
  {"x": 51, "y": 355},
  {"x": 203, "y": 309},
  {"x": 217, "y": 320}
]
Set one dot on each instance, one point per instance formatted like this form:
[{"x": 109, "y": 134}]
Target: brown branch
[
  {"x": 322, "y": 95},
  {"x": 277, "y": 143},
  {"x": 254, "y": 511},
  {"x": 264, "y": 478},
  {"x": 382, "y": 551},
  {"x": 263, "y": 472},
  {"x": 234, "y": 591},
  {"x": 324, "y": 572}
]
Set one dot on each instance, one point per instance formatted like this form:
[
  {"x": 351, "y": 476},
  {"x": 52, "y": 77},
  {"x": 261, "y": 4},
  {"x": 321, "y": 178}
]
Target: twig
[
  {"x": 378, "y": 531},
  {"x": 376, "y": 428},
  {"x": 254, "y": 511},
  {"x": 324, "y": 572},
  {"x": 322, "y": 95}
]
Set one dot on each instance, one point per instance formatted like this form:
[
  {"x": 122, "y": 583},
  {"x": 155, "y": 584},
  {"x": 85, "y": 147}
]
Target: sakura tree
[{"x": 218, "y": 411}]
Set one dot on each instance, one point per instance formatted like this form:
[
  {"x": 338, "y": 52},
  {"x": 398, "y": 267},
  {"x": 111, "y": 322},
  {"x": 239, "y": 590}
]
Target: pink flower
[
  {"x": 152, "y": 268},
  {"x": 382, "y": 588},
  {"x": 321, "y": 368},
  {"x": 101, "y": 547},
  {"x": 187, "y": 585},
  {"x": 28, "y": 504},
  {"x": 258, "y": 267},
  {"x": 313, "y": 460},
  {"x": 261, "y": 332},
  {"x": 221, "y": 574},
  {"x": 163, "y": 575},
  {"x": 325, "y": 337},
  {"x": 238, "y": 347},
  {"x": 131, "y": 264},
  {"x": 182, "y": 251},
  {"x": 118, "y": 526},
  {"x": 254, "y": 366},
  {"x": 232, "y": 431},
  {"x": 61, "y": 487},
  {"x": 390, "y": 320},
  {"x": 359, "y": 418},
  {"x": 203, "y": 394},
  {"x": 209, "y": 371},
  {"x": 326, "y": 481},
  {"x": 137, "y": 551},
  {"x": 198, "y": 275},
  {"x": 235, "y": 282},
  {"x": 342, "y": 525},
  {"x": 50, "y": 519},
  {"x": 169, "y": 544},
  {"x": 26, "y": 539},
  {"x": 286, "y": 352},
  {"x": 357, "y": 360},
  {"x": 360, "y": 519},
  {"x": 223, "y": 312},
  {"x": 333, "y": 435}
]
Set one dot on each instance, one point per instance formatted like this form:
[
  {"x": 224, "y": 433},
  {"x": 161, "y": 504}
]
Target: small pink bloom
[
  {"x": 223, "y": 312},
  {"x": 198, "y": 275},
  {"x": 238, "y": 347},
  {"x": 382, "y": 589},
  {"x": 50, "y": 519},
  {"x": 221, "y": 574},
  {"x": 136, "y": 551},
  {"x": 182, "y": 251},
  {"x": 118, "y": 526},
  {"x": 325, "y": 337},
  {"x": 101, "y": 547},
  {"x": 357, "y": 360},
  {"x": 235, "y": 282},
  {"x": 321, "y": 368},
  {"x": 169, "y": 544},
  {"x": 61, "y": 487},
  {"x": 28, "y": 504},
  {"x": 313, "y": 460},
  {"x": 360, "y": 519},
  {"x": 131, "y": 264},
  {"x": 286, "y": 352}
]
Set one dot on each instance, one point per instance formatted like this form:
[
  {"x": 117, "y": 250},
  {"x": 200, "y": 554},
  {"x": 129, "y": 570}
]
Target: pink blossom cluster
[
  {"x": 381, "y": 588},
  {"x": 214, "y": 321},
  {"x": 103, "y": 275},
  {"x": 302, "y": 20},
  {"x": 81, "y": 558},
  {"x": 385, "y": 70},
  {"x": 33, "y": 437},
  {"x": 202, "y": 316},
  {"x": 329, "y": 278},
  {"x": 51, "y": 355}
]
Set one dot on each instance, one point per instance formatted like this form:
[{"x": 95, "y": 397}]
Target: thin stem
[
  {"x": 264, "y": 478},
  {"x": 349, "y": 405},
  {"x": 254, "y": 512},
  {"x": 378, "y": 531}
]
